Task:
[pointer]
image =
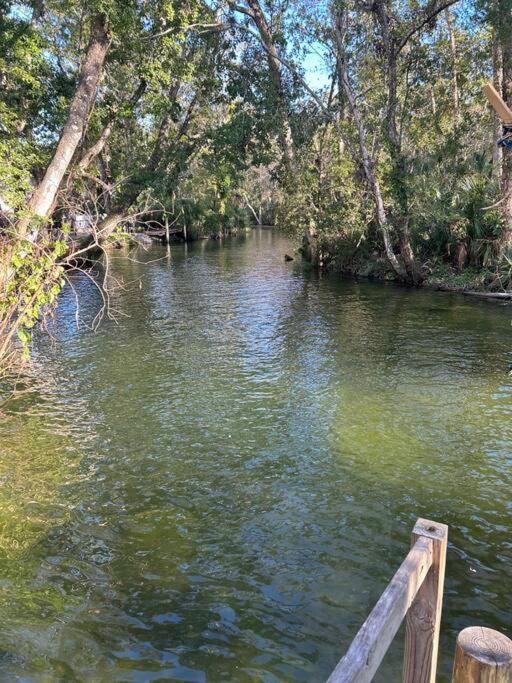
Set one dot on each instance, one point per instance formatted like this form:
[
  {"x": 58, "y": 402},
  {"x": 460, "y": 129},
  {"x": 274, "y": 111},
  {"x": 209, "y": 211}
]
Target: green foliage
[
  {"x": 323, "y": 189},
  {"x": 437, "y": 178},
  {"x": 190, "y": 115},
  {"x": 444, "y": 276},
  {"x": 34, "y": 283},
  {"x": 450, "y": 208},
  {"x": 211, "y": 205}
]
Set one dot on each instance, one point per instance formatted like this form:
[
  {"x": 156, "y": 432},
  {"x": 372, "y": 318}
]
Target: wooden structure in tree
[{"x": 498, "y": 104}]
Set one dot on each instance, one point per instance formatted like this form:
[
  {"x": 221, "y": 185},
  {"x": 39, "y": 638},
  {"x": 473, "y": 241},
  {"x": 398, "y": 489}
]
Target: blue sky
[{"x": 315, "y": 71}]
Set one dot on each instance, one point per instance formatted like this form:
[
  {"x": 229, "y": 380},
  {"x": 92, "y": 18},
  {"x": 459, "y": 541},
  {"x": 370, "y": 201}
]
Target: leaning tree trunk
[
  {"x": 90, "y": 72},
  {"x": 96, "y": 149},
  {"x": 339, "y": 23},
  {"x": 398, "y": 160},
  {"x": 285, "y": 131},
  {"x": 161, "y": 146}
]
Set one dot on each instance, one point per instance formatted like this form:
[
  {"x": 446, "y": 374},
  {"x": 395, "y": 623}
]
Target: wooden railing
[{"x": 415, "y": 594}]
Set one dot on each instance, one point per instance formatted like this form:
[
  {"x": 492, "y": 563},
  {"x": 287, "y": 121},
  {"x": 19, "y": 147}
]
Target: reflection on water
[{"x": 218, "y": 485}]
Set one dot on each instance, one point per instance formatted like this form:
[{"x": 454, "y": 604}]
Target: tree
[
  {"x": 43, "y": 198},
  {"x": 340, "y": 21},
  {"x": 253, "y": 9}
]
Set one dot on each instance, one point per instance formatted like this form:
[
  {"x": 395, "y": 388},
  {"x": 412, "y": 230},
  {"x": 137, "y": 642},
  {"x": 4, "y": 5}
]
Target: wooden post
[
  {"x": 424, "y": 616},
  {"x": 497, "y": 103},
  {"x": 374, "y": 637},
  {"x": 482, "y": 656}
]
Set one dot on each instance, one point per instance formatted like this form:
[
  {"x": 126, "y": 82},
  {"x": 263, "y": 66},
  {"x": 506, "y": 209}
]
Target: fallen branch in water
[{"x": 490, "y": 295}]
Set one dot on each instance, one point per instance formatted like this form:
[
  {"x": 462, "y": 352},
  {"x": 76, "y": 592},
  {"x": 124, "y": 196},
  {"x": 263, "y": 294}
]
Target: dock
[{"x": 162, "y": 234}]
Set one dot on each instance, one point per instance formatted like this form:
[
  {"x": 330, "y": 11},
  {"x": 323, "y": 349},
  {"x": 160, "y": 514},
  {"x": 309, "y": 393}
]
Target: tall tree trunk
[
  {"x": 504, "y": 30},
  {"x": 274, "y": 65},
  {"x": 433, "y": 100},
  {"x": 83, "y": 99},
  {"x": 497, "y": 67},
  {"x": 106, "y": 176},
  {"x": 455, "y": 75},
  {"x": 94, "y": 150},
  {"x": 339, "y": 22},
  {"x": 398, "y": 160}
]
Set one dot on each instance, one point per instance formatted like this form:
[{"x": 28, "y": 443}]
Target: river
[{"x": 218, "y": 484}]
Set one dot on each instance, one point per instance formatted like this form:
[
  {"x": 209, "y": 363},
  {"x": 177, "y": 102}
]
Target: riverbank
[
  {"x": 473, "y": 282},
  {"x": 440, "y": 276}
]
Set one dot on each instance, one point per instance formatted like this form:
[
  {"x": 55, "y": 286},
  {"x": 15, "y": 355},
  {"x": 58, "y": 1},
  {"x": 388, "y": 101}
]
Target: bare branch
[
  {"x": 295, "y": 72},
  {"x": 217, "y": 26},
  {"x": 430, "y": 14}
]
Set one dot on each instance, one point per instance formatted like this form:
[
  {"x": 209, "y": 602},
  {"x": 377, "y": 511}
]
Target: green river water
[{"x": 218, "y": 485}]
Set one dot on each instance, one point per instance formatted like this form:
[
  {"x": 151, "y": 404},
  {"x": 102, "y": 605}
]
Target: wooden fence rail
[{"x": 414, "y": 593}]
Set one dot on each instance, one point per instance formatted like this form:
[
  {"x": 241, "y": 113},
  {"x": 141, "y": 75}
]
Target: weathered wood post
[
  {"x": 373, "y": 639},
  {"x": 482, "y": 655},
  {"x": 424, "y": 616}
]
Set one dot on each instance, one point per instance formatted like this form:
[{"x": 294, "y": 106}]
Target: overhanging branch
[{"x": 430, "y": 14}]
